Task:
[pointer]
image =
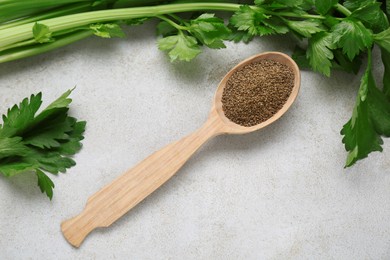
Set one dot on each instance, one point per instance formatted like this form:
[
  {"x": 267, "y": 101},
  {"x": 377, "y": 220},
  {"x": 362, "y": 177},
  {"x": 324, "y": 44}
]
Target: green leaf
[
  {"x": 209, "y": 30},
  {"x": 259, "y": 2},
  {"x": 248, "y": 19},
  {"x": 379, "y": 108},
  {"x": 38, "y": 143},
  {"x": 276, "y": 24},
  {"x": 137, "y": 21},
  {"x": 299, "y": 56},
  {"x": 238, "y": 36},
  {"x": 61, "y": 102},
  {"x": 42, "y": 33},
  {"x": 341, "y": 62},
  {"x": 319, "y": 52},
  {"x": 352, "y": 37},
  {"x": 107, "y": 30},
  {"x": 52, "y": 162},
  {"x": 78, "y": 130},
  {"x": 58, "y": 106},
  {"x": 353, "y": 5},
  {"x": 388, "y": 7},
  {"x": 165, "y": 29},
  {"x": 264, "y": 30},
  {"x": 330, "y": 21},
  {"x": 306, "y": 28},
  {"x": 370, "y": 119},
  {"x": 73, "y": 144},
  {"x": 383, "y": 39},
  {"x": 10, "y": 169},
  {"x": 18, "y": 118},
  {"x": 98, "y": 2},
  {"x": 372, "y": 16},
  {"x": 360, "y": 138},
  {"x": 386, "y": 74},
  {"x": 45, "y": 184},
  {"x": 323, "y": 6},
  {"x": 307, "y": 5},
  {"x": 12, "y": 147},
  {"x": 180, "y": 47},
  {"x": 50, "y": 132}
]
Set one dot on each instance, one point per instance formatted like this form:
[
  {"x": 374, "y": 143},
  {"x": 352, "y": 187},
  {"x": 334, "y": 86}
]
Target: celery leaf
[
  {"x": 352, "y": 37},
  {"x": 305, "y": 28},
  {"x": 107, "y": 30},
  {"x": 42, "y": 33},
  {"x": 45, "y": 184},
  {"x": 323, "y": 6},
  {"x": 250, "y": 20},
  {"x": 370, "y": 120},
  {"x": 383, "y": 39},
  {"x": 39, "y": 142},
  {"x": 180, "y": 47},
  {"x": 210, "y": 30},
  {"x": 386, "y": 74},
  {"x": 319, "y": 52}
]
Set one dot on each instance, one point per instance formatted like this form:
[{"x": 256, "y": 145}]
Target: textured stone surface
[{"x": 280, "y": 193}]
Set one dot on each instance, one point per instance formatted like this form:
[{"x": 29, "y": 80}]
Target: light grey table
[{"x": 281, "y": 193}]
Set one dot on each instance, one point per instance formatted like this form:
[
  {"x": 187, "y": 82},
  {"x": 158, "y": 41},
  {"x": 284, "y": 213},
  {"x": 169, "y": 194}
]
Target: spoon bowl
[
  {"x": 126, "y": 191},
  {"x": 233, "y": 128}
]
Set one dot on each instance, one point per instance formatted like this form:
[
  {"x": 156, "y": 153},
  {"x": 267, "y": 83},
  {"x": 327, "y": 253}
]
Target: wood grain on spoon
[{"x": 114, "y": 200}]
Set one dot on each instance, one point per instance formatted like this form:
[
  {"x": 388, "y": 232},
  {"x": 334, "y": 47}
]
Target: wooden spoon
[{"x": 126, "y": 191}]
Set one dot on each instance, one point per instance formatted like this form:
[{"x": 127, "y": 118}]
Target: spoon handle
[{"x": 114, "y": 200}]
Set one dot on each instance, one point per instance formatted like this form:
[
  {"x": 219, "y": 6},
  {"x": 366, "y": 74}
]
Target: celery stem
[
  {"x": 177, "y": 26},
  {"x": 343, "y": 10},
  {"x": 11, "y": 55}
]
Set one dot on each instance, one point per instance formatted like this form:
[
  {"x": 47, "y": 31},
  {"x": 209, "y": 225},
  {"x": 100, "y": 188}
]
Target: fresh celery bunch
[{"x": 337, "y": 33}]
